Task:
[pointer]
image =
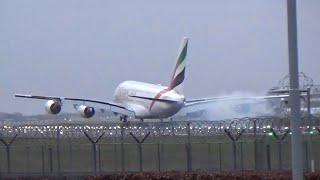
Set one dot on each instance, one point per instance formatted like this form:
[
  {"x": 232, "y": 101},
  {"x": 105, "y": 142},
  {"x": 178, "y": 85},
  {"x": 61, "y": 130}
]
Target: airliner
[
  {"x": 139, "y": 100},
  {"x": 131, "y": 98}
]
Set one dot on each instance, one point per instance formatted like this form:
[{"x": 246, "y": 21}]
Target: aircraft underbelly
[{"x": 159, "y": 110}]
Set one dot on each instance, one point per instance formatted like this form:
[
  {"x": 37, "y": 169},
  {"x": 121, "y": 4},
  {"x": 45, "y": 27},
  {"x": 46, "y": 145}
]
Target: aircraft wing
[{"x": 118, "y": 107}]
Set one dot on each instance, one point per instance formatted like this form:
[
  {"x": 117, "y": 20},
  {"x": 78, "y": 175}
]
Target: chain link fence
[{"x": 69, "y": 148}]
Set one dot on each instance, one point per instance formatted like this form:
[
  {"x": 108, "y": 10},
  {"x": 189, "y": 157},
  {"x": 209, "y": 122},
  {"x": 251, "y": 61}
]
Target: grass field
[{"x": 165, "y": 153}]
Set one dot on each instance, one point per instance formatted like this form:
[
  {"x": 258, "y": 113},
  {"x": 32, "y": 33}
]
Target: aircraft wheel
[{"x": 125, "y": 119}]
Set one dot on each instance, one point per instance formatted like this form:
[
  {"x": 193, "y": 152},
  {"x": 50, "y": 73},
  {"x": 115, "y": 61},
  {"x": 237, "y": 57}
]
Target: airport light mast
[{"x": 294, "y": 102}]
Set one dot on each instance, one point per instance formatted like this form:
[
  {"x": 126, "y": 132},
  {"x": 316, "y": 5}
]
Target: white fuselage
[{"x": 149, "y": 100}]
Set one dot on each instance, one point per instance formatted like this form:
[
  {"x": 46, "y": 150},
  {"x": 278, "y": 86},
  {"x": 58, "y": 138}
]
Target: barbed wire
[
  {"x": 248, "y": 125},
  {"x": 304, "y": 82}
]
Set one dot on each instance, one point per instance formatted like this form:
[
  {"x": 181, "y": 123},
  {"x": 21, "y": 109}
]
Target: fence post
[
  {"x": 140, "y": 157},
  {"x": 122, "y": 149},
  {"x": 188, "y": 149},
  {"x": 280, "y": 140},
  {"x": 307, "y": 156},
  {"x": 58, "y": 151},
  {"x": 220, "y": 158},
  {"x": 42, "y": 160},
  {"x": 8, "y": 159},
  {"x": 28, "y": 160},
  {"x": 172, "y": 127},
  {"x": 159, "y": 160},
  {"x": 256, "y": 156},
  {"x": 99, "y": 157},
  {"x": 280, "y": 154},
  {"x": 209, "y": 157},
  {"x": 268, "y": 157},
  {"x": 140, "y": 149},
  {"x": 311, "y": 123},
  {"x": 312, "y": 156},
  {"x": 0, "y": 163},
  {"x": 8, "y": 145},
  {"x": 50, "y": 159},
  {"x": 241, "y": 153},
  {"x": 160, "y": 146},
  {"x": 70, "y": 156},
  {"x": 234, "y": 146},
  {"x": 115, "y": 158},
  {"x": 94, "y": 148}
]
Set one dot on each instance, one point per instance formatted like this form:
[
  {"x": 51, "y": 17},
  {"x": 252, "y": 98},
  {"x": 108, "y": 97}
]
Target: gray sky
[{"x": 83, "y": 48}]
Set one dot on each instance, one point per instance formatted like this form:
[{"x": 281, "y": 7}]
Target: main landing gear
[{"x": 124, "y": 118}]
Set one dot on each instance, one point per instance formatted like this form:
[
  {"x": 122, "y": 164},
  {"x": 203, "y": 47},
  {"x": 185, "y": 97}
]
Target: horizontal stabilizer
[{"x": 153, "y": 99}]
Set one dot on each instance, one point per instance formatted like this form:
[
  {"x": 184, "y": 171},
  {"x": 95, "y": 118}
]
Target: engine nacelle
[
  {"x": 86, "y": 111},
  {"x": 53, "y": 107}
]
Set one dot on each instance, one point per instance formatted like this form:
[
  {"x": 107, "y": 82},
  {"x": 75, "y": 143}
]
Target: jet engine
[
  {"x": 86, "y": 111},
  {"x": 53, "y": 107}
]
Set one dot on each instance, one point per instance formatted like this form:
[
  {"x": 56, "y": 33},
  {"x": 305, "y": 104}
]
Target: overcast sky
[{"x": 83, "y": 48}]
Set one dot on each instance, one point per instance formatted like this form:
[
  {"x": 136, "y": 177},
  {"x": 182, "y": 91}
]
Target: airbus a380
[
  {"x": 138, "y": 99},
  {"x": 131, "y": 98}
]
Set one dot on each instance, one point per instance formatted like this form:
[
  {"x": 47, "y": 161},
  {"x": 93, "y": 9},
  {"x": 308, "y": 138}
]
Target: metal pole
[
  {"x": 122, "y": 148},
  {"x": 234, "y": 148},
  {"x": 209, "y": 157},
  {"x": 115, "y": 160},
  {"x": 241, "y": 148},
  {"x": 307, "y": 155},
  {"x": 188, "y": 149},
  {"x": 140, "y": 157},
  {"x": 309, "y": 106},
  {"x": 189, "y": 161},
  {"x": 50, "y": 159},
  {"x": 220, "y": 158},
  {"x": 160, "y": 147},
  {"x": 159, "y": 158},
  {"x": 280, "y": 154},
  {"x": 310, "y": 149},
  {"x": 94, "y": 149},
  {"x": 27, "y": 160},
  {"x": 172, "y": 127},
  {"x": 58, "y": 150},
  {"x": 70, "y": 156},
  {"x": 294, "y": 102},
  {"x": 268, "y": 158},
  {"x": 8, "y": 159},
  {"x": 139, "y": 143},
  {"x": 0, "y": 164},
  {"x": 255, "y": 146},
  {"x": 42, "y": 159},
  {"x": 99, "y": 158},
  {"x": 8, "y": 150}
]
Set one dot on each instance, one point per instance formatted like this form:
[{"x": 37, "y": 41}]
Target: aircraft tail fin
[{"x": 180, "y": 67}]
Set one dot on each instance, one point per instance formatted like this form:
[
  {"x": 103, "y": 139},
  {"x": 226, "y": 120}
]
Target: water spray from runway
[{"x": 234, "y": 105}]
